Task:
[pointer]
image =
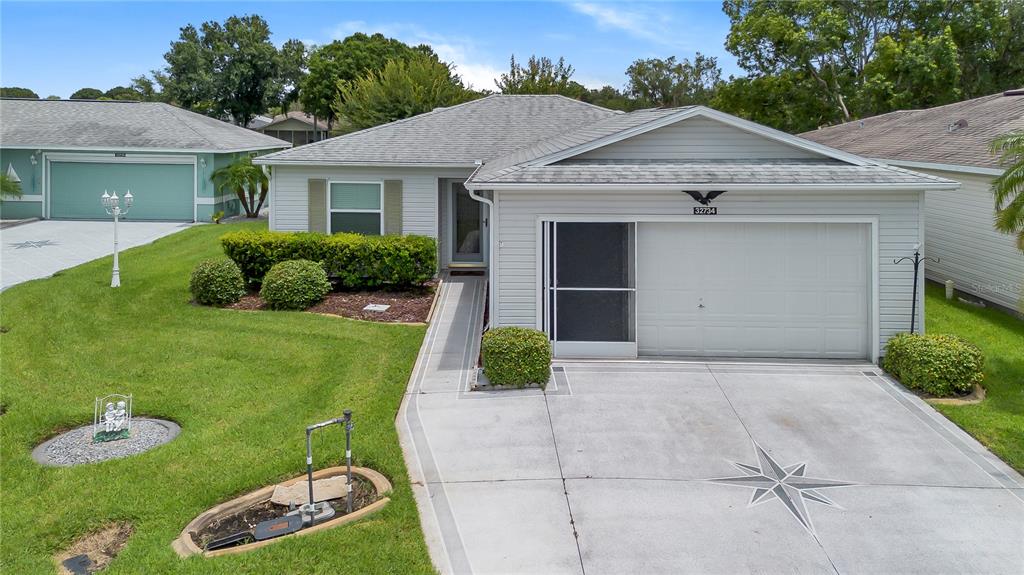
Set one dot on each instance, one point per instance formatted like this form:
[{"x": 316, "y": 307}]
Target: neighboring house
[
  {"x": 586, "y": 222},
  {"x": 297, "y": 128},
  {"x": 951, "y": 141},
  {"x": 68, "y": 152}
]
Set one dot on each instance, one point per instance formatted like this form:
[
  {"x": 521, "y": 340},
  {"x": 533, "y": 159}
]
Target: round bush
[
  {"x": 937, "y": 364},
  {"x": 516, "y": 356},
  {"x": 217, "y": 282},
  {"x": 294, "y": 284}
]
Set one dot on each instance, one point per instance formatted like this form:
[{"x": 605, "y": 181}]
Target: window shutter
[
  {"x": 317, "y": 203},
  {"x": 392, "y": 206}
]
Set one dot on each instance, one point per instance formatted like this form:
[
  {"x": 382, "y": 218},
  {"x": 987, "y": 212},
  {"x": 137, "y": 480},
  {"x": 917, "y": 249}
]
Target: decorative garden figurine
[{"x": 116, "y": 420}]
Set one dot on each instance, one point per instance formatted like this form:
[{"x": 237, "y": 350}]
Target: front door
[{"x": 467, "y": 227}]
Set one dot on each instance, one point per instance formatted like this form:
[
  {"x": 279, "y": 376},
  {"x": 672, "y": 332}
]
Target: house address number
[{"x": 705, "y": 211}]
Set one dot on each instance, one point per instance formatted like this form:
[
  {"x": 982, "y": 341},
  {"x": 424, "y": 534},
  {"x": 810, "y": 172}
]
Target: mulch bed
[
  {"x": 406, "y": 306},
  {"x": 363, "y": 494}
]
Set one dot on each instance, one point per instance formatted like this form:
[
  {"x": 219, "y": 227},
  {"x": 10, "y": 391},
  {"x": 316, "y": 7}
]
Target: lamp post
[
  {"x": 917, "y": 260},
  {"x": 112, "y": 204}
]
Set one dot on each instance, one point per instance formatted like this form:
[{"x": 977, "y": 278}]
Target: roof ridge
[{"x": 173, "y": 112}]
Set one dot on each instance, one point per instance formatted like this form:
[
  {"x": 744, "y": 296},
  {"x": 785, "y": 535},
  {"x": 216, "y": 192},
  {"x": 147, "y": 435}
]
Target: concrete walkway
[
  {"x": 40, "y": 249},
  {"x": 703, "y": 467}
]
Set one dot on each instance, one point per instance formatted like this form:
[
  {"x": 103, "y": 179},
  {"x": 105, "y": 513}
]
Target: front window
[{"x": 356, "y": 208}]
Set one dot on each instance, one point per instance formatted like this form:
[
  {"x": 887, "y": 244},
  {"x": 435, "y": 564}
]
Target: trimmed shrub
[
  {"x": 516, "y": 356},
  {"x": 941, "y": 365},
  {"x": 217, "y": 282},
  {"x": 355, "y": 261},
  {"x": 294, "y": 284}
]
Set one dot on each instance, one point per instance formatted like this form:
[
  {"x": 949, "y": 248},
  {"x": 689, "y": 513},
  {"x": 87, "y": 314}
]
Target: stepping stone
[{"x": 298, "y": 493}]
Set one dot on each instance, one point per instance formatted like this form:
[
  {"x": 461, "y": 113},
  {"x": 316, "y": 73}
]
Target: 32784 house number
[{"x": 705, "y": 211}]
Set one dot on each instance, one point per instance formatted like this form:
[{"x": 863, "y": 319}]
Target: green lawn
[
  {"x": 998, "y": 421},
  {"x": 242, "y": 385}
]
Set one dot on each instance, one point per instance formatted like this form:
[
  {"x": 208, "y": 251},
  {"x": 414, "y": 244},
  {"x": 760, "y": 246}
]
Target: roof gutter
[
  {"x": 704, "y": 186},
  {"x": 51, "y": 148},
  {"x": 944, "y": 167},
  {"x": 490, "y": 242},
  {"x": 270, "y": 161}
]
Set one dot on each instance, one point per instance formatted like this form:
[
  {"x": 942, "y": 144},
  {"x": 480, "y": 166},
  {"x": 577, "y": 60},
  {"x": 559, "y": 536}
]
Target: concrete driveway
[
  {"x": 646, "y": 467},
  {"x": 40, "y": 249}
]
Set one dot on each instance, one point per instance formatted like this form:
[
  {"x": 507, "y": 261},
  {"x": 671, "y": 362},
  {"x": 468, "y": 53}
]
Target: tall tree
[
  {"x": 87, "y": 94},
  {"x": 1008, "y": 188},
  {"x": 292, "y": 60},
  {"x": 187, "y": 79},
  {"x": 122, "y": 93},
  {"x": 402, "y": 89},
  {"x": 540, "y": 76},
  {"x": 669, "y": 83},
  {"x": 786, "y": 101},
  {"x": 227, "y": 69},
  {"x": 146, "y": 87},
  {"x": 15, "y": 92},
  {"x": 344, "y": 61},
  {"x": 609, "y": 97}
]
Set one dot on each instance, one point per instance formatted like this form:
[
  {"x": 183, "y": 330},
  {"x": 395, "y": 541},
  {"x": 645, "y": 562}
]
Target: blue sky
[{"x": 59, "y": 47}]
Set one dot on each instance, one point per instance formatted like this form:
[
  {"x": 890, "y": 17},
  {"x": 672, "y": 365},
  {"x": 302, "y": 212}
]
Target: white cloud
[
  {"x": 644, "y": 23},
  {"x": 476, "y": 70}
]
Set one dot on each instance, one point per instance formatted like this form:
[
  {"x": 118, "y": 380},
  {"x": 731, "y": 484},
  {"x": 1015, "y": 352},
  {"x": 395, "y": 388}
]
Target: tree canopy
[
  {"x": 541, "y": 75},
  {"x": 403, "y": 88},
  {"x": 861, "y": 58},
  {"x": 340, "y": 62},
  {"x": 15, "y": 92},
  {"x": 669, "y": 83},
  {"x": 87, "y": 94}
]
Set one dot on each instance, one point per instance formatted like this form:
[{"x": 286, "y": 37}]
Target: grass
[
  {"x": 998, "y": 421},
  {"x": 242, "y": 385}
]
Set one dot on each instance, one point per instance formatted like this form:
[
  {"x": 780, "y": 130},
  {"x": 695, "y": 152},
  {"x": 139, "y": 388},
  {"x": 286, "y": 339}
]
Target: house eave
[
  {"x": 50, "y": 148},
  {"x": 279, "y": 162},
  {"x": 943, "y": 167},
  {"x": 704, "y": 186}
]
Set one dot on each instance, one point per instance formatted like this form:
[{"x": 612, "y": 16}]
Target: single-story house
[
  {"x": 952, "y": 142},
  {"x": 298, "y": 128},
  {"x": 66, "y": 153},
  {"x": 662, "y": 232}
]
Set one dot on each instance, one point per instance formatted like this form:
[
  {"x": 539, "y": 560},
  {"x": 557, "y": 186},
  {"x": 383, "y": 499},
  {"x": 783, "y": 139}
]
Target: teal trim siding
[
  {"x": 30, "y": 175},
  {"x": 162, "y": 191}
]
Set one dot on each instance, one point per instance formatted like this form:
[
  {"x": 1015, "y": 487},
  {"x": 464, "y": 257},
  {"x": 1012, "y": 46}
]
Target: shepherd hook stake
[{"x": 917, "y": 259}]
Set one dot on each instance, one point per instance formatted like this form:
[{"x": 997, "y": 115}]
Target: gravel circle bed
[{"x": 76, "y": 447}]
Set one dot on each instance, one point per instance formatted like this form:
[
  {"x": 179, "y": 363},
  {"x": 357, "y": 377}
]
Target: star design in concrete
[
  {"x": 33, "y": 244},
  {"x": 790, "y": 485}
]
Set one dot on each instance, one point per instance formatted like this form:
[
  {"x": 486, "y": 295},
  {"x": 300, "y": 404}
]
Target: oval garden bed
[
  {"x": 76, "y": 447},
  {"x": 243, "y": 513}
]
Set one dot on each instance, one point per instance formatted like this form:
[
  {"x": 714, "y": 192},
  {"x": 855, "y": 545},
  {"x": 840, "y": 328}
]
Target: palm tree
[
  {"x": 1008, "y": 188},
  {"x": 247, "y": 181},
  {"x": 9, "y": 187}
]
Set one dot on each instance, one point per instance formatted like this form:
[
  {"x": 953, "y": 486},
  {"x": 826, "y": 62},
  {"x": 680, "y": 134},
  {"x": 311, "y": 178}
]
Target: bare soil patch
[
  {"x": 411, "y": 306},
  {"x": 100, "y": 546},
  {"x": 363, "y": 494}
]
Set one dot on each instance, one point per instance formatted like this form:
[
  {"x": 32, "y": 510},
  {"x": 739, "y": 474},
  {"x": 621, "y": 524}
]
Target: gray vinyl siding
[
  {"x": 696, "y": 139},
  {"x": 959, "y": 232},
  {"x": 518, "y": 213},
  {"x": 289, "y": 196}
]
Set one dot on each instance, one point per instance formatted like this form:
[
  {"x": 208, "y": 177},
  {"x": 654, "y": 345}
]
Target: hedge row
[
  {"x": 938, "y": 364},
  {"x": 354, "y": 261}
]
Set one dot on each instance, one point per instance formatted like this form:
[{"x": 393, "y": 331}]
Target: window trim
[{"x": 379, "y": 212}]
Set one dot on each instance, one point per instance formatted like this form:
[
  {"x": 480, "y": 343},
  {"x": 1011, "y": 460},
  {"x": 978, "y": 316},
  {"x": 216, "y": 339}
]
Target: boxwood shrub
[
  {"x": 354, "y": 261},
  {"x": 937, "y": 364},
  {"x": 294, "y": 284},
  {"x": 217, "y": 282},
  {"x": 516, "y": 356}
]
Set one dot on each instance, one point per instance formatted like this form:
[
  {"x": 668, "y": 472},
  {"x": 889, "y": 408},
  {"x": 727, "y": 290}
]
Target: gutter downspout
[{"x": 490, "y": 242}]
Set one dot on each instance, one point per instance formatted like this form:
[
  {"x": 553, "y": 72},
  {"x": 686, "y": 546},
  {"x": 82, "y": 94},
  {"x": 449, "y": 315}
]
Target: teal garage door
[{"x": 161, "y": 191}]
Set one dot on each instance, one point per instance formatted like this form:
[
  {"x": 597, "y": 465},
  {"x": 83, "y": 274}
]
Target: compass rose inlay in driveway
[{"x": 790, "y": 485}]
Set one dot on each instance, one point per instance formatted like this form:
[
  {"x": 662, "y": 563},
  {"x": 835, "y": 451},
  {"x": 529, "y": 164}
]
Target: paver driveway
[
  {"x": 696, "y": 467},
  {"x": 40, "y": 249}
]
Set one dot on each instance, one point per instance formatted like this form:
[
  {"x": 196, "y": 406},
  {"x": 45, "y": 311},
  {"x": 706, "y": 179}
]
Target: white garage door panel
[{"x": 767, "y": 289}]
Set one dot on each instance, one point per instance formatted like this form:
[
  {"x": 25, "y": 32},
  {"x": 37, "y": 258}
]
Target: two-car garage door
[
  {"x": 727, "y": 289},
  {"x": 753, "y": 289},
  {"x": 162, "y": 191}
]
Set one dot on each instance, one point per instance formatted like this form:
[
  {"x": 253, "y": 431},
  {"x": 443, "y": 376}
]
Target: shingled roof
[
  {"x": 957, "y": 134},
  {"x": 458, "y": 135},
  {"x": 115, "y": 125}
]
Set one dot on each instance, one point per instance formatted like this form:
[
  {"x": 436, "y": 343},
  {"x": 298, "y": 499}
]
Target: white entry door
[{"x": 729, "y": 289}]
